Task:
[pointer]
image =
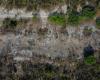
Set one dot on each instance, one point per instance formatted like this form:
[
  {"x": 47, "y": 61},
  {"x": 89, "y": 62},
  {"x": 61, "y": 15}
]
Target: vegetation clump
[
  {"x": 73, "y": 18},
  {"x": 90, "y": 60},
  {"x": 88, "y": 12},
  {"x": 57, "y": 18},
  {"x": 98, "y": 23},
  {"x": 9, "y": 23}
]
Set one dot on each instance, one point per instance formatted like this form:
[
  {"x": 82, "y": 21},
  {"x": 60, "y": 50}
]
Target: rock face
[
  {"x": 44, "y": 16},
  {"x": 52, "y": 43},
  {"x": 15, "y": 13},
  {"x": 47, "y": 39}
]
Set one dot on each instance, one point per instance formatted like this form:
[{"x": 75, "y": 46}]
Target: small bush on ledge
[
  {"x": 57, "y": 19},
  {"x": 73, "y": 18},
  {"x": 88, "y": 12},
  {"x": 9, "y": 23},
  {"x": 98, "y": 23},
  {"x": 90, "y": 60}
]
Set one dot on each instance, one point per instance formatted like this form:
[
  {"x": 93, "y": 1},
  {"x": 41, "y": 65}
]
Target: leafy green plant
[
  {"x": 9, "y": 23},
  {"x": 57, "y": 18},
  {"x": 73, "y": 18},
  {"x": 88, "y": 12},
  {"x": 90, "y": 60},
  {"x": 98, "y": 23}
]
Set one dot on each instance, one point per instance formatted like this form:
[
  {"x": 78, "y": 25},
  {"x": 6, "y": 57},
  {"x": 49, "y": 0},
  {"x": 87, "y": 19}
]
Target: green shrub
[
  {"x": 9, "y": 23},
  {"x": 73, "y": 18},
  {"x": 98, "y": 23},
  {"x": 57, "y": 18},
  {"x": 90, "y": 60},
  {"x": 88, "y": 12}
]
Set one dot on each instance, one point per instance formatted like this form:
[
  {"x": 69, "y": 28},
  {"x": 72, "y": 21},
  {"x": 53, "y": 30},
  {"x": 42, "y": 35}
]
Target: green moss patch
[
  {"x": 90, "y": 60},
  {"x": 57, "y": 18}
]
